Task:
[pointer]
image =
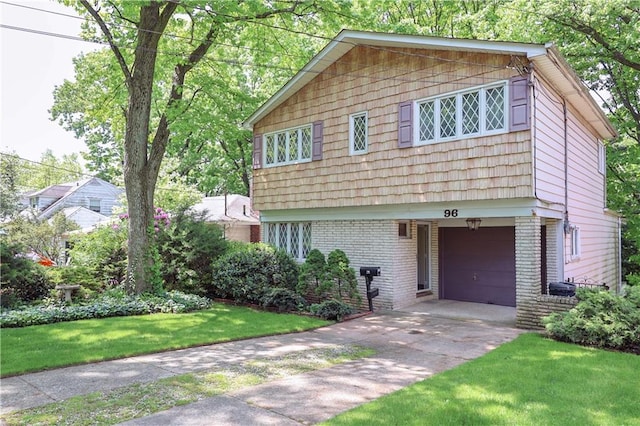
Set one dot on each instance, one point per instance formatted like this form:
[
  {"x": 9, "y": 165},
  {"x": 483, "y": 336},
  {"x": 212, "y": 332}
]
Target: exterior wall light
[{"x": 473, "y": 224}]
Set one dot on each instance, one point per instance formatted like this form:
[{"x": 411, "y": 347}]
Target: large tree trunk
[{"x": 138, "y": 180}]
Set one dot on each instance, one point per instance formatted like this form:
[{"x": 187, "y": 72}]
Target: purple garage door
[{"x": 478, "y": 266}]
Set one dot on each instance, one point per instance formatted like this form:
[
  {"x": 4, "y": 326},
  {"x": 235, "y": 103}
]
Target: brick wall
[
  {"x": 528, "y": 265},
  {"x": 530, "y": 313},
  {"x": 366, "y": 243}
]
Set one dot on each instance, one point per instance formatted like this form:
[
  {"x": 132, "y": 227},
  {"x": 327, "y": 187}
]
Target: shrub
[
  {"x": 331, "y": 309},
  {"x": 103, "y": 252},
  {"x": 21, "y": 279},
  {"x": 342, "y": 276},
  {"x": 284, "y": 300},
  {"x": 74, "y": 274},
  {"x": 313, "y": 274},
  {"x": 109, "y": 304},
  {"x": 246, "y": 276},
  {"x": 600, "y": 319},
  {"x": 187, "y": 248}
]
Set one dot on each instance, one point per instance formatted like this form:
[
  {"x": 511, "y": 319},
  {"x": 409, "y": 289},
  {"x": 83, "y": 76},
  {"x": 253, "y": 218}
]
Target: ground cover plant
[
  {"x": 41, "y": 347},
  {"x": 143, "y": 399},
  {"x": 529, "y": 381},
  {"x": 113, "y": 303}
]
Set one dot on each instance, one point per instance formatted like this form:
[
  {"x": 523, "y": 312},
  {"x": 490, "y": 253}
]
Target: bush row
[
  {"x": 110, "y": 304},
  {"x": 600, "y": 319}
]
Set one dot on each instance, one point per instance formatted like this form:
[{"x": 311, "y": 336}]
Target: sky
[{"x": 31, "y": 65}]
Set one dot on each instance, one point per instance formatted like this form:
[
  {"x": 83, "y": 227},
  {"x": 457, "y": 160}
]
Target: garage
[{"x": 478, "y": 266}]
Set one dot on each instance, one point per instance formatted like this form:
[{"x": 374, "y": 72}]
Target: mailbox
[{"x": 369, "y": 271}]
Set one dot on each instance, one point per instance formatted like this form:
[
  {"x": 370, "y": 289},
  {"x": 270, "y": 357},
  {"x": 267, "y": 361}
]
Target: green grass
[
  {"x": 41, "y": 347},
  {"x": 530, "y": 381}
]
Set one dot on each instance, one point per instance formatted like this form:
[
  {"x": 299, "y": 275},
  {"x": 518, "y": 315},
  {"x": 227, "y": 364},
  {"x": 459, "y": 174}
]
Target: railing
[{"x": 568, "y": 287}]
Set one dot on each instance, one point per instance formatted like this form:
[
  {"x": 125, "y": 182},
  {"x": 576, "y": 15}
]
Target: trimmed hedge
[{"x": 110, "y": 304}]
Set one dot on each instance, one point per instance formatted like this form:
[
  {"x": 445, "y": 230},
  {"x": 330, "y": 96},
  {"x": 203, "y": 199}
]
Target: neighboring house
[
  {"x": 234, "y": 214},
  {"x": 392, "y": 147},
  {"x": 87, "y": 202}
]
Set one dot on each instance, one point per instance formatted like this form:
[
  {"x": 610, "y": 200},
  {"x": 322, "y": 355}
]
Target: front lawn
[
  {"x": 530, "y": 381},
  {"x": 41, "y": 347}
]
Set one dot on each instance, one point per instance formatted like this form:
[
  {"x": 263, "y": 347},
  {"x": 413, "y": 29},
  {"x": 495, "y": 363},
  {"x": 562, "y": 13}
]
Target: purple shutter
[
  {"x": 519, "y": 109},
  {"x": 317, "y": 141},
  {"x": 257, "y": 151},
  {"x": 405, "y": 124}
]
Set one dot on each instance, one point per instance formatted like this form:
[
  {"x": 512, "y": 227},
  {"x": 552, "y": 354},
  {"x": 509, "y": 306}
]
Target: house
[
  {"x": 87, "y": 202},
  {"x": 465, "y": 169},
  {"x": 234, "y": 214}
]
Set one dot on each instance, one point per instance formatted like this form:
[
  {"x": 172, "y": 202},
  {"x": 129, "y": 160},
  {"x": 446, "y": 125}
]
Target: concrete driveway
[{"x": 410, "y": 345}]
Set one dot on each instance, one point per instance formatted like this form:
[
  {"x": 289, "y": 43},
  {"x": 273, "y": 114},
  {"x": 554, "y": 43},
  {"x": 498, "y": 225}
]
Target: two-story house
[
  {"x": 86, "y": 202},
  {"x": 468, "y": 170}
]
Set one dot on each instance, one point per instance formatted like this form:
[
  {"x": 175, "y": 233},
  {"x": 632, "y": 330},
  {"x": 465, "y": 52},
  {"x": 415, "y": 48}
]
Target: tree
[
  {"x": 155, "y": 101},
  {"x": 44, "y": 238},
  {"x": 9, "y": 195}
]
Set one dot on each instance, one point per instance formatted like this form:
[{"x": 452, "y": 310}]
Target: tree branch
[{"x": 114, "y": 48}]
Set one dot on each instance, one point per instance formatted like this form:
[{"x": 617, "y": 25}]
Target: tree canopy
[{"x": 178, "y": 78}]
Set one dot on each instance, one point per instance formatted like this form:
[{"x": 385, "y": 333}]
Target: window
[
  {"x": 403, "y": 230},
  {"x": 295, "y": 238},
  {"x": 575, "y": 242},
  {"x": 602, "y": 158},
  {"x": 288, "y": 146},
  {"x": 358, "y": 133},
  {"x": 475, "y": 112},
  {"x": 34, "y": 201},
  {"x": 94, "y": 204}
]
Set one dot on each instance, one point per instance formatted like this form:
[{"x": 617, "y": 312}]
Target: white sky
[{"x": 31, "y": 65}]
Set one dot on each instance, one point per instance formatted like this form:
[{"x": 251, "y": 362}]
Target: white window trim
[
  {"x": 286, "y": 132},
  {"x": 574, "y": 243},
  {"x": 602, "y": 158},
  {"x": 352, "y": 117},
  {"x": 458, "y": 94}
]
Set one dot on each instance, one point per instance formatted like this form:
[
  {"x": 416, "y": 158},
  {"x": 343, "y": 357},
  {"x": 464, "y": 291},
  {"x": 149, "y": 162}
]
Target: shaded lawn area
[
  {"x": 529, "y": 381},
  {"x": 41, "y": 347}
]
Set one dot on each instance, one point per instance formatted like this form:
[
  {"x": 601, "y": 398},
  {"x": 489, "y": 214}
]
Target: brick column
[{"x": 528, "y": 264}]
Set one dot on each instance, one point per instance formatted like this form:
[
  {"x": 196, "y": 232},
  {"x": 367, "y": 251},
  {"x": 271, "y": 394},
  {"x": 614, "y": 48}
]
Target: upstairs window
[
  {"x": 288, "y": 146},
  {"x": 94, "y": 204},
  {"x": 358, "y": 133},
  {"x": 602, "y": 158},
  {"x": 34, "y": 202},
  {"x": 476, "y": 112}
]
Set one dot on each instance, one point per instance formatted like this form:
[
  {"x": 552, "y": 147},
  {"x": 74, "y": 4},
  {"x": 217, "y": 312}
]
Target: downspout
[
  {"x": 533, "y": 130},
  {"x": 619, "y": 286},
  {"x": 566, "y": 168}
]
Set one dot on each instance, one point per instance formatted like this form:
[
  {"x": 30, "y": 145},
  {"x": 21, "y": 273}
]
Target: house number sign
[{"x": 451, "y": 213}]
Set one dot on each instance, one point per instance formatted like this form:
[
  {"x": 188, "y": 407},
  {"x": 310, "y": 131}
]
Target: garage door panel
[{"x": 478, "y": 266}]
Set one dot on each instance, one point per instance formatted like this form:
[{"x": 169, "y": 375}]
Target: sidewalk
[{"x": 409, "y": 347}]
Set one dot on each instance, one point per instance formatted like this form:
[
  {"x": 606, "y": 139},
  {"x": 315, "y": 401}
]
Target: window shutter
[
  {"x": 317, "y": 141},
  {"x": 519, "y": 104},
  {"x": 405, "y": 124},
  {"x": 257, "y": 151}
]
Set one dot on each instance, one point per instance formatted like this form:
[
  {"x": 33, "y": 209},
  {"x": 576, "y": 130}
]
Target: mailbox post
[{"x": 368, "y": 272}]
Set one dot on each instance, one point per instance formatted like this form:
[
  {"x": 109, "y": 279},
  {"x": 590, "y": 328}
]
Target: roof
[
  {"x": 545, "y": 57},
  {"x": 71, "y": 187},
  {"x": 237, "y": 208}
]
